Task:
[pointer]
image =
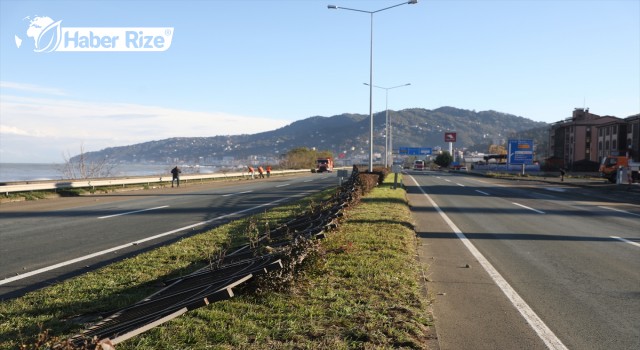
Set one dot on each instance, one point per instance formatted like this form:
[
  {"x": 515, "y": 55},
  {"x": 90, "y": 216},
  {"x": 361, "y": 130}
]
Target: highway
[
  {"x": 49, "y": 240},
  {"x": 528, "y": 264}
]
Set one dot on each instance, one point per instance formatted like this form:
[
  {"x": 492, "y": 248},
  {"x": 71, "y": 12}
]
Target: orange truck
[
  {"x": 324, "y": 164},
  {"x": 610, "y": 165}
]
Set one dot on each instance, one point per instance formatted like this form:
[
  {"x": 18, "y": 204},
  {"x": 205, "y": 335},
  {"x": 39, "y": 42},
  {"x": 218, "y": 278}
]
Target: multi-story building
[
  {"x": 633, "y": 136},
  {"x": 574, "y": 143},
  {"x": 580, "y": 142}
]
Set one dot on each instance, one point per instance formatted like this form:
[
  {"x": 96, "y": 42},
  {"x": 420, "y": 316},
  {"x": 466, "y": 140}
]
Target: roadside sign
[
  {"x": 520, "y": 152},
  {"x": 450, "y": 137},
  {"x": 415, "y": 151}
]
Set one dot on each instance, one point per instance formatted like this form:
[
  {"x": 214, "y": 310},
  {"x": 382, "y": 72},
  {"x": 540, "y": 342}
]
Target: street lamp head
[
  {"x": 332, "y": 7},
  {"x": 412, "y": 2}
]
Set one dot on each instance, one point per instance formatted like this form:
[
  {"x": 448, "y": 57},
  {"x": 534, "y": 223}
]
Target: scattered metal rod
[{"x": 207, "y": 285}]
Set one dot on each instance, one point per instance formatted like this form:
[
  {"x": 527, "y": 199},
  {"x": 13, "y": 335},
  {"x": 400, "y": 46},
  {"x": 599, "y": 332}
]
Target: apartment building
[{"x": 579, "y": 142}]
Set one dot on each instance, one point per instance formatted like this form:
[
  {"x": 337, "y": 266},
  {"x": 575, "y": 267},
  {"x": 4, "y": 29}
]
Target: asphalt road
[
  {"x": 528, "y": 265},
  {"x": 49, "y": 240}
]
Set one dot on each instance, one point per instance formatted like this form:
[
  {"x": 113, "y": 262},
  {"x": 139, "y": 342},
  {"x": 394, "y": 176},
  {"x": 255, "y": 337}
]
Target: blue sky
[{"x": 248, "y": 66}]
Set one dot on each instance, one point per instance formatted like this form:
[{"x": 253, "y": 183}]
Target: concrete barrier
[{"x": 91, "y": 183}]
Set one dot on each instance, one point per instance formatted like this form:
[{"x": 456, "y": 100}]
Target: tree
[
  {"x": 444, "y": 159},
  {"x": 79, "y": 167},
  {"x": 497, "y": 149},
  {"x": 303, "y": 158}
]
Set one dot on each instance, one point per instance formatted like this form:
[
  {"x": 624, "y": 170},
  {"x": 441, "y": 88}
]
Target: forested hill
[{"x": 415, "y": 127}]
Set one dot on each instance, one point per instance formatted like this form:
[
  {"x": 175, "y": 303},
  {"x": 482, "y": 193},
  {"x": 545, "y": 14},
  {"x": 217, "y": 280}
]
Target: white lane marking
[
  {"x": 447, "y": 180},
  {"x": 106, "y": 251},
  {"x": 132, "y": 212},
  {"x": 626, "y": 241},
  {"x": 524, "y": 206},
  {"x": 233, "y": 194},
  {"x": 461, "y": 185},
  {"x": 555, "y": 189},
  {"x": 547, "y": 336},
  {"x": 485, "y": 193},
  {"x": 618, "y": 210},
  {"x": 283, "y": 185},
  {"x": 307, "y": 181}
]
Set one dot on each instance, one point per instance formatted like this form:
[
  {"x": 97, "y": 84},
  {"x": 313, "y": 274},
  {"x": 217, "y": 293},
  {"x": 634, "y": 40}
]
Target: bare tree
[{"x": 79, "y": 167}]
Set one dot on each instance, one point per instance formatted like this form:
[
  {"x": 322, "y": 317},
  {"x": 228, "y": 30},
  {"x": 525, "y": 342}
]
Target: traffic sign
[
  {"x": 415, "y": 151},
  {"x": 520, "y": 152}
]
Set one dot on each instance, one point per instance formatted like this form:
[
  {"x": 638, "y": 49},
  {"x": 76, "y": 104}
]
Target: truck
[
  {"x": 324, "y": 164},
  {"x": 610, "y": 165},
  {"x": 418, "y": 165}
]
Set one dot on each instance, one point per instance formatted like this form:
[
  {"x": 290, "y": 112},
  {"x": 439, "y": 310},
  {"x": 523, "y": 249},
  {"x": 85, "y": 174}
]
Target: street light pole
[
  {"x": 334, "y": 7},
  {"x": 388, "y": 146}
]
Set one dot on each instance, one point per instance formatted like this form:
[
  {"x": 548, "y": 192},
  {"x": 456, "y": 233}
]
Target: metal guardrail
[
  {"x": 216, "y": 283},
  {"x": 92, "y": 183}
]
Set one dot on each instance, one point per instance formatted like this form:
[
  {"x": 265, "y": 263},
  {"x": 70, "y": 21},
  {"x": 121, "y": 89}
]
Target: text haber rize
[{"x": 133, "y": 40}]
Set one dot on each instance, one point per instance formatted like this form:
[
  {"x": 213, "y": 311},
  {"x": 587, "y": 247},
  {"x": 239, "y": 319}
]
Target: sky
[{"x": 242, "y": 67}]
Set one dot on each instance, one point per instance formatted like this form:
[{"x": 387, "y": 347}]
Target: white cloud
[
  {"x": 58, "y": 122},
  {"x": 5, "y": 129},
  {"x": 31, "y": 88}
]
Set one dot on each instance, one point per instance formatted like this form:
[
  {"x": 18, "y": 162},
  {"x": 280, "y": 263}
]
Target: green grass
[{"x": 360, "y": 290}]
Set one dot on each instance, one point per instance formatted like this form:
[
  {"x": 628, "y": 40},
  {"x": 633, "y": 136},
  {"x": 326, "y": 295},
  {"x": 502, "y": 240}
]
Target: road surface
[
  {"x": 528, "y": 265},
  {"x": 50, "y": 240}
]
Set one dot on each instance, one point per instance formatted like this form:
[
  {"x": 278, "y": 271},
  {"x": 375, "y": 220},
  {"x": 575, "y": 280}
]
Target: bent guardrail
[{"x": 279, "y": 249}]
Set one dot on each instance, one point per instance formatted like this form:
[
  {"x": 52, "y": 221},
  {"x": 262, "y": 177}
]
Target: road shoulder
[{"x": 470, "y": 311}]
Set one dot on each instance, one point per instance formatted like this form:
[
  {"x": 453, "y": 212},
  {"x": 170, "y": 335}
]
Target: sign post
[
  {"x": 396, "y": 169},
  {"x": 450, "y": 137}
]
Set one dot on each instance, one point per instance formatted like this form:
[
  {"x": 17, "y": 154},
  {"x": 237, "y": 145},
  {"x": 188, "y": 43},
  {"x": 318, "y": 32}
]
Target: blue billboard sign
[
  {"x": 415, "y": 151},
  {"x": 520, "y": 152}
]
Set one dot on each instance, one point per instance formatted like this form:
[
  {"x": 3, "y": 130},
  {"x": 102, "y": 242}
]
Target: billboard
[
  {"x": 520, "y": 152},
  {"x": 449, "y": 137}
]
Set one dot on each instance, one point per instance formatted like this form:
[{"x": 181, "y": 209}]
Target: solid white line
[
  {"x": 524, "y": 206},
  {"x": 106, "y": 251},
  {"x": 485, "y": 193},
  {"x": 132, "y": 212},
  {"x": 283, "y": 185},
  {"x": 626, "y": 241},
  {"x": 233, "y": 194},
  {"x": 619, "y": 210},
  {"x": 555, "y": 189},
  {"x": 547, "y": 336}
]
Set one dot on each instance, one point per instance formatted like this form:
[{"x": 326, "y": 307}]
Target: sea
[{"x": 20, "y": 172}]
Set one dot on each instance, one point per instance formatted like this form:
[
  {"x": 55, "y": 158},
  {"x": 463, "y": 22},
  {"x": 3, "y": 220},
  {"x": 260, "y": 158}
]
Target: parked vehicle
[
  {"x": 418, "y": 165},
  {"x": 610, "y": 165},
  {"x": 324, "y": 164}
]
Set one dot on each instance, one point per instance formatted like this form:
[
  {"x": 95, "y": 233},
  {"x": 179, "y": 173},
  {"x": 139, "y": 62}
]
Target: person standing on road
[
  {"x": 175, "y": 172},
  {"x": 261, "y": 172},
  {"x": 268, "y": 171},
  {"x": 562, "y": 174},
  {"x": 251, "y": 171}
]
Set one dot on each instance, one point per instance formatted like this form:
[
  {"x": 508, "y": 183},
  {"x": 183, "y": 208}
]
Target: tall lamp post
[
  {"x": 388, "y": 145},
  {"x": 334, "y": 7}
]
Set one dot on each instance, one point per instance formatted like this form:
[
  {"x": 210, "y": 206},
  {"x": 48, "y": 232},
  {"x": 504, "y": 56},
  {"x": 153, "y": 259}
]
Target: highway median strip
[{"x": 362, "y": 288}]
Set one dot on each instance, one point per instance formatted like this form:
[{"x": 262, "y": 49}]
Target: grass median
[{"x": 360, "y": 289}]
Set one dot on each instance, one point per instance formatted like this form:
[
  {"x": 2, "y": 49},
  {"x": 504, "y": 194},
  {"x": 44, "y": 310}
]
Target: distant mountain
[{"x": 348, "y": 133}]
